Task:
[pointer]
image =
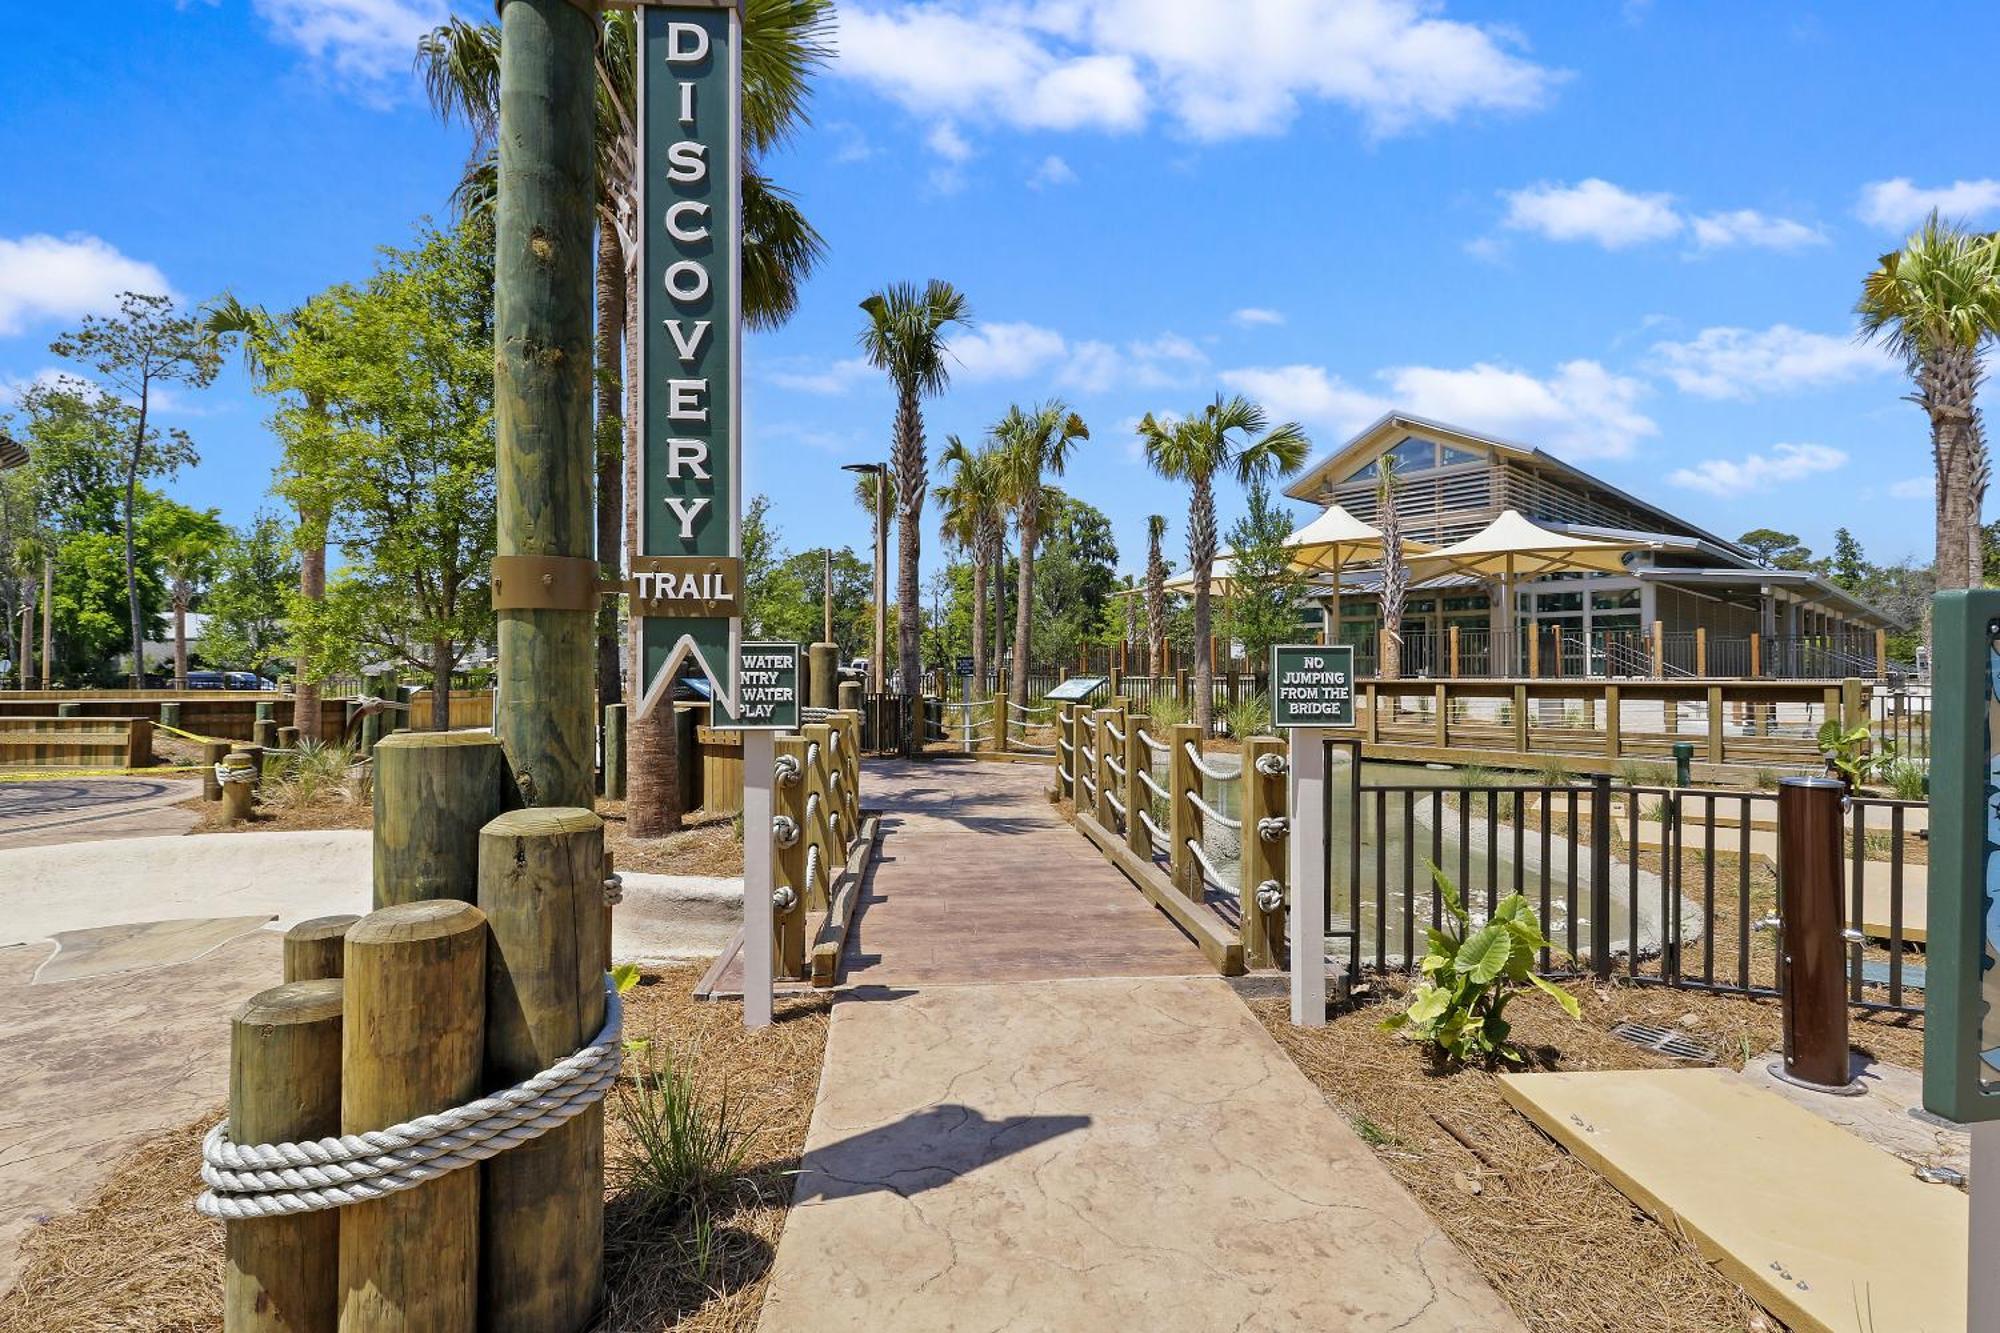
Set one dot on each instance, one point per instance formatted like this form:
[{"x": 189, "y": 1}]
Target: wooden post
[
  {"x": 545, "y": 459},
  {"x": 1535, "y": 654},
  {"x": 1451, "y": 636},
  {"x": 818, "y": 746},
  {"x": 1715, "y": 724},
  {"x": 315, "y": 949},
  {"x": 1138, "y": 760},
  {"x": 1373, "y": 698},
  {"x": 1756, "y": 656},
  {"x": 541, "y": 887},
  {"x": 1000, "y": 722},
  {"x": 281, "y": 1274},
  {"x": 1263, "y": 798},
  {"x": 1441, "y": 732},
  {"x": 288, "y": 738},
  {"x": 1184, "y": 820},
  {"x": 413, "y": 1043},
  {"x": 788, "y": 864},
  {"x": 1853, "y": 704},
  {"x": 1066, "y": 760},
  {"x": 1520, "y": 719},
  {"x": 1613, "y": 724},
  {"x": 239, "y": 791},
  {"x": 264, "y": 731},
  {"x": 170, "y": 713},
  {"x": 822, "y": 674},
  {"x": 1701, "y": 651},
  {"x": 266, "y": 711},
  {"x": 849, "y": 695},
  {"x": 614, "y": 752},
  {"x": 1881, "y": 654},
  {"x": 434, "y": 791},
  {"x": 1659, "y": 649},
  {"x": 1100, "y": 740},
  {"x": 212, "y": 753}
]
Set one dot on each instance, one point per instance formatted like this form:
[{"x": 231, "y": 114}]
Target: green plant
[
  {"x": 1764, "y": 779},
  {"x": 1907, "y": 778},
  {"x": 1473, "y": 776},
  {"x": 1639, "y": 773},
  {"x": 1846, "y": 749},
  {"x": 312, "y": 774},
  {"x": 1163, "y": 712},
  {"x": 1554, "y": 771},
  {"x": 1470, "y": 975},
  {"x": 686, "y": 1147},
  {"x": 1373, "y": 1134},
  {"x": 625, "y": 977},
  {"x": 1248, "y": 716}
]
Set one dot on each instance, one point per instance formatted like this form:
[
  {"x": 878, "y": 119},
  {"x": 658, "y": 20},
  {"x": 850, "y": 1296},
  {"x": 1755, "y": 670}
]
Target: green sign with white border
[
  {"x": 768, "y": 688},
  {"x": 1312, "y": 685}
]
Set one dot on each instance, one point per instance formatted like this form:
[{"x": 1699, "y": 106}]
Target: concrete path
[
  {"x": 1038, "y": 1112},
  {"x": 40, "y": 812}
]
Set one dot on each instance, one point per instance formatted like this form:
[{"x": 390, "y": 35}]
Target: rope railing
[
  {"x": 1117, "y": 732},
  {"x": 1115, "y": 804},
  {"x": 1024, "y": 748},
  {"x": 1210, "y": 812},
  {"x": 1207, "y": 771},
  {"x": 1159, "y": 792},
  {"x": 1071, "y": 749},
  {"x": 1208, "y": 870},
  {"x": 1083, "y": 780},
  {"x": 1090, "y": 753},
  {"x": 1157, "y": 747},
  {"x": 1115, "y": 767},
  {"x": 1065, "y": 774},
  {"x": 1030, "y": 711},
  {"x": 1158, "y": 834}
]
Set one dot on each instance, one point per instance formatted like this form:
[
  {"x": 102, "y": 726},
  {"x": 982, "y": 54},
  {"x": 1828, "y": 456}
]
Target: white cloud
[
  {"x": 1609, "y": 215},
  {"x": 14, "y": 388},
  {"x": 1582, "y": 410},
  {"x": 945, "y": 140},
  {"x": 46, "y": 277},
  {"x": 1592, "y": 210},
  {"x": 834, "y": 379},
  {"x": 1252, "y": 316},
  {"x": 1017, "y": 350},
  {"x": 1728, "y": 477},
  {"x": 1052, "y": 171},
  {"x": 1741, "y": 363},
  {"x": 1006, "y": 351},
  {"x": 1899, "y": 204},
  {"x": 1915, "y": 488},
  {"x": 1746, "y": 226},
  {"x": 360, "y": 40},
  {"x": 1113, "y": 64}
]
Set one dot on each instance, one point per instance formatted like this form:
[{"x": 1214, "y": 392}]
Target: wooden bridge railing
[
  {"x": 1139, "y": 798},
  {"x": 824, "y": 845}
]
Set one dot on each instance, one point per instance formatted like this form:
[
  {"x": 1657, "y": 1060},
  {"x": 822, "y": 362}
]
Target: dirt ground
[
  {"x": 137, "y": 1256},
  {"x": 709, "y": 844},
  {"x": 1568, "y": 1252}
]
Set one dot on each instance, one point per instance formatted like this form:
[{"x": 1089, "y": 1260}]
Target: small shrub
[
  {"x": 687, "y": 1148},
  {"x": 1248, "y": 717},
  {"x": 1908, "y": 779},
  {"x": 1166, "y": 711},
  {"x": 1473, "y": 776},
  {"x": 1639, "y": 773},
  {"x": 1554, "y": 771},
  {"x": 315, "y": 773},
  {"x": 1470, "y": 975},
  {"x": 1765, "y": 779}
]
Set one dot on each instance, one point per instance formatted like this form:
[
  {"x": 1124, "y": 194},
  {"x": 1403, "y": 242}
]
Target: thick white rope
[
  {"x": 1115, "y": 804},
  {"x": 1065, "y": 774},
  {"x": 1090, "y": 754},
  {"x": 280, "y": 1179},
  {"x": 1065, "y": 745},
  {"x": 1218, "y": 774},
  {"x": 1152, "y": 786},
  {"x": 1084, "y": 780},
  {"x": 241, "y": 773},
  {"x": 1157, "y": 747},
  {"x": 1117, "y": 734},
  {"x": 1159, "y": 834},
  {"x": 1115, "y": 767},
  {"x": 1210, "y": 812},
  {"x": 1208, "y": 869}
]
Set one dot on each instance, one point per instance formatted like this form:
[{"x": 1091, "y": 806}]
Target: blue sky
[{"x": 1630, "y": 234}]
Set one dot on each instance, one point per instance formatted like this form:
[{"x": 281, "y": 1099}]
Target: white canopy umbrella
[{"x": 1333, "y": 541}]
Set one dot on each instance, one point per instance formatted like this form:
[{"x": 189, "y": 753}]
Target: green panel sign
[
  {"x": 1312, "y": 686},
  {"x": 767, "y": 687},
  {"x": 690, "y": 352},
  {"x": 1962, "y": 985}
]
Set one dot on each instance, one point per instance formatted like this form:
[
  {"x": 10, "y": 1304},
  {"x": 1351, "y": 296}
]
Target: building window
[{"x": 1622, "y": 599}]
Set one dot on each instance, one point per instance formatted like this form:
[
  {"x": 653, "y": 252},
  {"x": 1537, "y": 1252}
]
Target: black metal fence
[{"x": 1656, "y": 885}]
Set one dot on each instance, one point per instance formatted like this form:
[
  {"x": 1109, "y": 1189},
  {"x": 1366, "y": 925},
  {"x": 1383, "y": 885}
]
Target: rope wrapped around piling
[{"x": 281, "y": 1179}]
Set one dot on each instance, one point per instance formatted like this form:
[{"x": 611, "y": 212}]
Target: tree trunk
[
  {"x": 998, "y": 579},
  {"x": 441, "y": 660},
  {"x": 652, "y": 754},
  {"x": 610, "y": 450},
  {"x": 312, "y": 588},
  {"x": 180, "y": 641},
  {"x": 1946, "y": 385},
  {"x": 1201, "y": 559},
  {"x": 1024, "y": 607},
  {"x": 48, "y": 621},
  {"x": 131, "y": 555},
  {"x": 911, "y": 466},
  {"x": 979, "y": 616}
]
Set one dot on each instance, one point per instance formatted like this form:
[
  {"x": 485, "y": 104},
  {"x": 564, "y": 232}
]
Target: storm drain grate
[{"x": 1666, "y": 1041}]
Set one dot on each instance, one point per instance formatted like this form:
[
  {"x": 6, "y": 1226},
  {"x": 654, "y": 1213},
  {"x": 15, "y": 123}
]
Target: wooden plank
[{"x": 1219, "y": 945}]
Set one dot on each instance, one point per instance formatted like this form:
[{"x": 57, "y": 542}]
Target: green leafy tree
[
  {"x": 1156, "y": 595},
  {"x": 1075, "y": 580},
  {"x": 255, "y": 585},
  {"x": 149, "y": 346},
  {"x": 905, "y": 337},
  {"x": 1778, "y": 550},
  {"x": 1936, "y": 304},
  {"x": 1228, "y": 436},
  {"x": 974, "y": 520},
  {"x": 189, "y": 544},
  {"x": 1848, "y": 567},
  {"x": 1262, "y": 607},
  {"x": 1030, "y": 447}
]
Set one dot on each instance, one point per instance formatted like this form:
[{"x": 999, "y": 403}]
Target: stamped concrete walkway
[{"x": 1039, "y": 1111}]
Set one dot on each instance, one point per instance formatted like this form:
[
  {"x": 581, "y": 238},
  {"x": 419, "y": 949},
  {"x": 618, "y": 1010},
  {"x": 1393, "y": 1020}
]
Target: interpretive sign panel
[
  {"x": 1312, "y": 686},
  {"x": 965, "y": 666},
  {"x": 768, "y": 693},
  {"x": 1077, "y": 689},
  {"x": 1962, "y": 955},
  {"x": 686, "y": 570}
]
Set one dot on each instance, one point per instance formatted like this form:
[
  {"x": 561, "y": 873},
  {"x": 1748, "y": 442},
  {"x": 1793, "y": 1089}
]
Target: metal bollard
[
  {"x": 1813, "y": 936},
  {"x": 1683, "y": 763}
]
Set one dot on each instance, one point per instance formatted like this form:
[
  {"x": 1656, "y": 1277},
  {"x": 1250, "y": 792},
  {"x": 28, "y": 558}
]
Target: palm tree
[
  {"x": 1230, "y": 435},
  {"x": 1395, "y": 570},
  {"x": 784, "y": 42},
  {"x": 973, "y": 519},
  {"x": 905, "y": 336},
  {"x": 1936, "y": 303},
  {"x": 1031, "y": 446},
  {"x": 1156, "y": 595},
  {"x": 189, "y": 562}
]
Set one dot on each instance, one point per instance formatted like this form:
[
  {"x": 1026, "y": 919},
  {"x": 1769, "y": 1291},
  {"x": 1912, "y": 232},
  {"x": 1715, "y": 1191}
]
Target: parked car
[{"x": 206, "y": 680}]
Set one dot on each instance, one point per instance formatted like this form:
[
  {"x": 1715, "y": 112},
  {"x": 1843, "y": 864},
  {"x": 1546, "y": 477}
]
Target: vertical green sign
[
  {"x": 1312, "y": 686},
  {"x": 1962, "y": 990},
  {"x": 690, "y": 345}
]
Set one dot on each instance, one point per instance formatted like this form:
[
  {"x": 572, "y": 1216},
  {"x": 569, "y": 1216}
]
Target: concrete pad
[
  {"x": 675, "y": 918},
  {"x": 1827, "y": 1232},
  {"x": 106, "y": 950},
  {"x": 46, "y": 811},
  {"x": 1128, "y": 1153},
  {"x": 1880, "y": 1115}
]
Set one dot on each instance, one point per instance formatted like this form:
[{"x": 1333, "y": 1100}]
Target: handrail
[
  {"x": 1115, "y": 804},
  {"x": 1210, "y": 812},
  {"x": 1208, "y": 870},
  {"x": 1159, "y": 834},
  {"x": 1157, "y": 747},
  {"x": 1151, "y": 785},
  {"x": 1217, "y": 774}
]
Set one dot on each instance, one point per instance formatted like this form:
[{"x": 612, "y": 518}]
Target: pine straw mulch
[
  {"x": 709, "y": 843},
  {"x": 137, "y": 1256},
  {"x": 337, "y": 809},
  {"x": 1565, "y": 1249}
]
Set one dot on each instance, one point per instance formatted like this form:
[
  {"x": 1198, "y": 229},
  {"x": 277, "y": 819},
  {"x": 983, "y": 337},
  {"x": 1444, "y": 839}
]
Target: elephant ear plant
[{"x": 1470, "y": 975}]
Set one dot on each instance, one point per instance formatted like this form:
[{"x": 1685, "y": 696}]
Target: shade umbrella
[
  {"x": 1335, "y": 540},
  {"x": 1512, "y": 546}
]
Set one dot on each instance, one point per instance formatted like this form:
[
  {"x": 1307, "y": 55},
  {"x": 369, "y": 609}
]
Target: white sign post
[
  {"x": 759, "y": 758},
  {"x": 1312, "y": 691}
]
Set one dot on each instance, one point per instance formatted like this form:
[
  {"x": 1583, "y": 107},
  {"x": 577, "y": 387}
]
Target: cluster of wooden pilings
[
  {"x": 1151, "y": 827},
  {"x": 816, "y": 870},
  {"x": 481, "y": 964}
]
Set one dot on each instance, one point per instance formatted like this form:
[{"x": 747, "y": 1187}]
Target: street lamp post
[{"x": 881, "y": 472}]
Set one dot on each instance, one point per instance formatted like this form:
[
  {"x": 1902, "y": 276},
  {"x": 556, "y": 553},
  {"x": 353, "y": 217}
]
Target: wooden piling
[
  {"x": 288, "y": 738},
  {"x": 264, "y": 731},
  {"x": 316, "y": 950},
  {"x": 170, "y": 713},
  {"x": 614, "y": 752},
  {"x": 1138, "y": 760},
  {"x": 823, "y": 671},
  {"x": 849, "y": 695},
  {"x": 1263, "y": 798},
  {"x": 413, "y": 1043},
  {"x": 266, "y": 711},
  {"x": 434, "y": 791},
  {"x": 280, "y": 1274},
  {"x": 541, "y": 887},
  {"x": 238, "y": 795},
  {"x": 212, "y": 753},
  {"x": 1184, "y": 820}
]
